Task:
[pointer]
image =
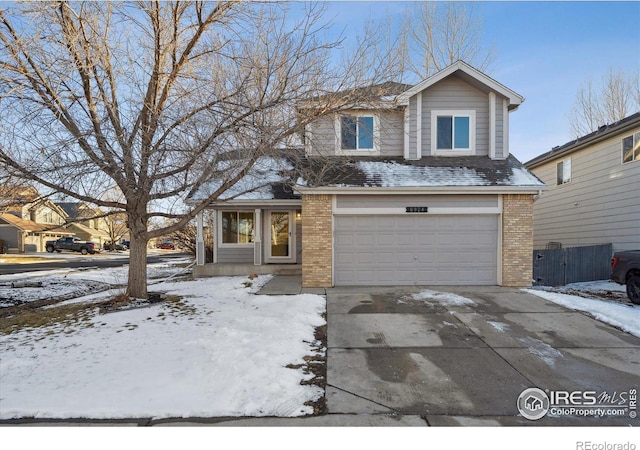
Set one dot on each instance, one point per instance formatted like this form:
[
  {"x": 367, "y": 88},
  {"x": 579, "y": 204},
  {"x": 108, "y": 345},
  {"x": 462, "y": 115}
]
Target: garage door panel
[{"x": 421, "y": 249}]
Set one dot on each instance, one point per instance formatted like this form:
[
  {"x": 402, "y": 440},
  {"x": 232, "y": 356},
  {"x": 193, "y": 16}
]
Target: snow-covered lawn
[
  {"x": 623, "y": 315},
  {"x": 217, "y": 350},
  {"x": 72, "y": 283}
]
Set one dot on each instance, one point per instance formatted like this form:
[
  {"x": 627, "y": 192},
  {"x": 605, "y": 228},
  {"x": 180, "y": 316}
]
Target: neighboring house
[
  {"x": 593, "y": 184},
  {"x": 413, "y": 186},
  {"x": 82, "y": 221},
  {"x": 28, "y": 221}
]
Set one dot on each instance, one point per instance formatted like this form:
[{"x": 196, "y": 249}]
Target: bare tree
[
  {"x": 441, "y": 33},
  {"x": 614, "y": 98},
  {"x": 153, "y": 98}
]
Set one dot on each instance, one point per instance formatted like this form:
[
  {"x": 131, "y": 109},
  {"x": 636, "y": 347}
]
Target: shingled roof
[{"x": 430, "y": 171}]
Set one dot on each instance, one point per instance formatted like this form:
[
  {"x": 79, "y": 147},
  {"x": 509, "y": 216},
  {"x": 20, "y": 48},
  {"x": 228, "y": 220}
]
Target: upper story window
[
  {"x": 236, "y": 227},
  {"x": 453, "y": 132},
  {"x": 358, "y": 134},
  {"x": 631, "y": 148},
  {"x": 563, "y": 170}
]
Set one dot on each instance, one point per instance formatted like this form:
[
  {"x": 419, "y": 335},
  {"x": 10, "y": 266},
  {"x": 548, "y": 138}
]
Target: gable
[{"x": 472, "y": 77}]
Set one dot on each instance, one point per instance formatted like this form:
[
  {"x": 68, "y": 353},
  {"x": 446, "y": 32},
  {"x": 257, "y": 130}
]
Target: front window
[
  {"x": 631, "y": 148},
  {"x": 453, "y": 132},
  {"x": 357, "y": 133},
  {"x": 237, "y": 227},
  {"x": 563, "y": 169}
]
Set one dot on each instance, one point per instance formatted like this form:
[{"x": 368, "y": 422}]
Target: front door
[{"x": 280, "y": 240}]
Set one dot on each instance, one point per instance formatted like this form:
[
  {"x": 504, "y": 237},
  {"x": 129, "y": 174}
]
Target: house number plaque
[{"x": 417, "y": 209}]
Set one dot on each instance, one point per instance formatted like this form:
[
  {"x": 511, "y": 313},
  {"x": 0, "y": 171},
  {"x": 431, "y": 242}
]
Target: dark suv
[{"x": 625, "y": 269}]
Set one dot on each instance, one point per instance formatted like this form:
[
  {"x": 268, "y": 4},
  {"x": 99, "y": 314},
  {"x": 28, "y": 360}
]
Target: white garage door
[{"x": 420, "y": 249}]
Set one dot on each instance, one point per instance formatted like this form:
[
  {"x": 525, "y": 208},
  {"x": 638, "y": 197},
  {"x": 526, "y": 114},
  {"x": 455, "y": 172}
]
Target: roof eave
[
  {"x": 577, "y": 146},
  {"x": 361, "y": 190},
  {"x": 256, "y": 202},
  {"x": 514, "y": 98}
]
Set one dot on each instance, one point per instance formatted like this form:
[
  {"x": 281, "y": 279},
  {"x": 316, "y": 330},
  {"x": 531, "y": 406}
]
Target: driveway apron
[{"x": 465, "y": 360}]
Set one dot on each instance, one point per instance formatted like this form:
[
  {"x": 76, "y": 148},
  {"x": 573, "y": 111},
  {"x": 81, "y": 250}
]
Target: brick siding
[
  {"x": 517, "y": 240},
  {"x": 317, "y": 242}
]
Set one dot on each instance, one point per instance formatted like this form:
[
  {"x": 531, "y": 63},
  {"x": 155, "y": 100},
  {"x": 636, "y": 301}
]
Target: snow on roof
[
  {"x": 392, "y": 174},
  {"x": 522, "y": 177},
  {"x": 257, "y": 184},
  {"x": 396, "y": 172}
]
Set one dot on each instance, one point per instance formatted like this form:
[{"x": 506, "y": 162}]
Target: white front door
[{"x": 280, "y": 234}]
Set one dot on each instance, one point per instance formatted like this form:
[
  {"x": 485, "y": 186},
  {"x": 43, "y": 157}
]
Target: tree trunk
[{"x": 137, "y": 286}]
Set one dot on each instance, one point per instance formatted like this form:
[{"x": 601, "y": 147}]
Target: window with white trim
[
  {"x": 453, "y": 132},
  {"x": 631, "y": 148},
  {"x": 563, "y": 170},
  {"x": 358, "y": 133},
  {"x": 236, "y": 227}
]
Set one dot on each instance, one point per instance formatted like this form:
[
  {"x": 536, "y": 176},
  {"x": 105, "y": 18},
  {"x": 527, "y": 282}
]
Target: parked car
[
  {"x": 117, "y": 246},
  {"x": 72, "y": 244},
  {"x": 167, "y": 246},
  {"x": 625, "y": 269}
]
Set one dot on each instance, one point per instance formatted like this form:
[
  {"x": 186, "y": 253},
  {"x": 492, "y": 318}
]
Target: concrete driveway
[{"x": 451, "y": 361}]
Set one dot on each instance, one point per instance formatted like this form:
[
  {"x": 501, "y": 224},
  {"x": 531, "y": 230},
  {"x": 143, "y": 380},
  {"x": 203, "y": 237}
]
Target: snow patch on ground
[
  {"x": 626, "y": 317},
  {"x": 500, "y": 326},
  {"x": 443, "y": 298},
  {"x": 219, "y": 351},
  {"x": 542, "y": 350}
]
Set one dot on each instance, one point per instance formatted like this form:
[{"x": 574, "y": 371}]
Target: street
[{"x": 72, "y": 261}]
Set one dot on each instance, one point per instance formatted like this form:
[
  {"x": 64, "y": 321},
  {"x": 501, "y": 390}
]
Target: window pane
[
  {"x": 636, "y": 147},
  {"x": 559, "y": 173},
  {"x": 229, "y": 227},
  {"x": 445, "y": 124},
  {"x": 245, "y": 227},
  {"x": 566, "y": 171},
  {"x": 365, "y": 133},
  {"x": 348, "y": 132},
  {"x": 461, "y": 129},
  {"x": 627, "y": 149}
]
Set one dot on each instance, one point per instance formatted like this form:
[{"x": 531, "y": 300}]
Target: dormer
[{"x": 459, "y": 111}]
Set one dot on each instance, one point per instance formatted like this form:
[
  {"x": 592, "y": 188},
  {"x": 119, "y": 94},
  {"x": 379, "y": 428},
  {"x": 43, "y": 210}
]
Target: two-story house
[
  {"x": 414, "y": 186},
  {"x": 592, "y": 196},
  {"x": 27, "y": 220},
  {"x": 85, "y": 222}
]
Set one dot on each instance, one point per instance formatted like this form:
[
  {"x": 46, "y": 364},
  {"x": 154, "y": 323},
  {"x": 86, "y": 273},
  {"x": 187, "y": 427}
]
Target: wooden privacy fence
[{"x": 560, "y": 266}]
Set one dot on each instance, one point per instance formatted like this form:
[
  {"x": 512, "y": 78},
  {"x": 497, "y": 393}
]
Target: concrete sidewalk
[{"x": 288, "y": 285}]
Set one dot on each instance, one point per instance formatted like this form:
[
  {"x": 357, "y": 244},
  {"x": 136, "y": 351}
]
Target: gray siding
[
  {"x": 9, "y": 235},
  {"x": 599, "y": 205},
  {"x": 391, "y": 133},
  {"x": 453, "y": 93},
  {"x": 323, "y": 137},
  {"x": 500, "y": 128},
  {"x": 235, "y": 255},
  {"x": 400, "y": 201},
  {"x": 391, "y": 124},
  {"x": 413, "y": 139}
]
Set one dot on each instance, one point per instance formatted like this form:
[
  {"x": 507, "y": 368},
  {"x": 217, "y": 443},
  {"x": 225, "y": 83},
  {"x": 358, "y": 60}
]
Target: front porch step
[{"x": 228, "y": 270}]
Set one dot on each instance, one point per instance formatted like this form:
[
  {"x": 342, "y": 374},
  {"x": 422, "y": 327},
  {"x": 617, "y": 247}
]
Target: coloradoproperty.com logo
[{"x": 534, "y": 403}]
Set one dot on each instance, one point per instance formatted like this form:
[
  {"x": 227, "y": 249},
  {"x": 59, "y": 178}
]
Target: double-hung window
[
  {"x": 358, "y": 134},
  {"x": 453, "y": 132},
  {"x": 563, "y": 171},
  {"x": 631, "y": 148},
  {"x": 236, "y": 227}
]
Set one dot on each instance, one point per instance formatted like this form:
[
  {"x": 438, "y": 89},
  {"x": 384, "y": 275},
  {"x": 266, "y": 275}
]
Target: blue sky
[{"x": 543, "y": 51}]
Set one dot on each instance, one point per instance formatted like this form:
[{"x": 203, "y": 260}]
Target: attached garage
[{"x": 416, "y": 249}]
